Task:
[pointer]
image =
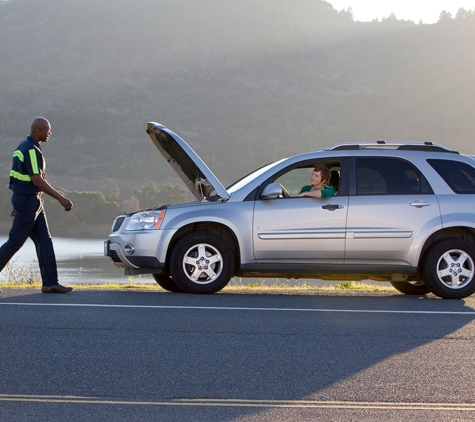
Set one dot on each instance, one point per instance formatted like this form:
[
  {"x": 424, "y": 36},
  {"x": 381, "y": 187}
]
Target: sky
[{"x": 427, "y": 11}]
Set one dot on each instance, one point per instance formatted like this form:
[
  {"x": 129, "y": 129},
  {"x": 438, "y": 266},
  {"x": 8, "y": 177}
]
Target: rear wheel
[
  {"x": 201, "y": 262},
  {"x": 166, "y": 282},
  {"x": 448, "y": 268},
  {"x": 416, "y": 288}
]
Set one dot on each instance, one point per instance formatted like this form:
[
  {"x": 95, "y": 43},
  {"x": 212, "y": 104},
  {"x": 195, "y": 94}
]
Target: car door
[
  {"x": 300, "y": 229},
  {"x": 390, "y": 207}
]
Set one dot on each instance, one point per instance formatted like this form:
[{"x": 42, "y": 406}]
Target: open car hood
[{"x": 187, "y": 164}]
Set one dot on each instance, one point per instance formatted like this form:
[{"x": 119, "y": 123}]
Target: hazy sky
[{"x": 415, "y": 10}]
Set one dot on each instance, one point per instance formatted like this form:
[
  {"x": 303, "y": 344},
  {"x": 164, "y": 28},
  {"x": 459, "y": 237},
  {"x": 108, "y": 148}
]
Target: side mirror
[{"x": 271, "y": 191}]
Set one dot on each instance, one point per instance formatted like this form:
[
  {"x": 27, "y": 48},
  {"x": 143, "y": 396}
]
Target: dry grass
[
  {"x": 25, "y": 275},
  {"x": 29, "y": 277}
]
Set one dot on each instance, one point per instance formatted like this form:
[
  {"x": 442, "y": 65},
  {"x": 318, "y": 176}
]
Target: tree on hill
[
  {"x": 249, "y": 80},
  {"x": 149, "y": 196}
]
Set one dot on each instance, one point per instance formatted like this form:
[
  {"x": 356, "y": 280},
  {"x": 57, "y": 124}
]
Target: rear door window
[{"x": 388, "y": 176}]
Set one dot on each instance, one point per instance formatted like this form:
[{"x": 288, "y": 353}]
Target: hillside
[{"x": 243, "y": 82}]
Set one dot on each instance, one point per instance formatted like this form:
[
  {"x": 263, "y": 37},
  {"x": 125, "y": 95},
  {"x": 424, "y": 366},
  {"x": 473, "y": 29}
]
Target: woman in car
[{"x": 318, "y": 187}]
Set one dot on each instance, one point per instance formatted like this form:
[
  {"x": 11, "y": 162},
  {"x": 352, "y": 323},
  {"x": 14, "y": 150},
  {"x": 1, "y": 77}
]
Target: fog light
[{"x": 129, "y": 249}]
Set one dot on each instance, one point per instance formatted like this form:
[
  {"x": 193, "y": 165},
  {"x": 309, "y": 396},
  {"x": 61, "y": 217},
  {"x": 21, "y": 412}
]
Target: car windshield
[{"x": 251, "y": 176}]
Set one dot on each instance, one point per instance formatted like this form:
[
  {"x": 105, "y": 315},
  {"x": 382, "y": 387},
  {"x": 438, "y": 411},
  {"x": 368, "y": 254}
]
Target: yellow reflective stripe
[
  {"x": 19, "y": 155},
  {"x": 19, "y": 176},
  {"x": 34, "y": 161}
]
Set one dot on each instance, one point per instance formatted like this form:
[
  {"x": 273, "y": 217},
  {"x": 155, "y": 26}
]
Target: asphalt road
[{"x": 128, "y": 355}]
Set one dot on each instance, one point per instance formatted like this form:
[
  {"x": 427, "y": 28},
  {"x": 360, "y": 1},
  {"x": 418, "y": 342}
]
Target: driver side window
[{"x": 294, "y": 180}]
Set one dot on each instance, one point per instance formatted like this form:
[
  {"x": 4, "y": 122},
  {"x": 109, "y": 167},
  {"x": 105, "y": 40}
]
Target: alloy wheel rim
[
  {"x": 202, "y": 263},
  {"x": 455, "y": 269}
]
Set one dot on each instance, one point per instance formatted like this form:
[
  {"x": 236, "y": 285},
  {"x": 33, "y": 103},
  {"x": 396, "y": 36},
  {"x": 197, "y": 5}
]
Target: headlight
[{"x": 147, "y": 220}]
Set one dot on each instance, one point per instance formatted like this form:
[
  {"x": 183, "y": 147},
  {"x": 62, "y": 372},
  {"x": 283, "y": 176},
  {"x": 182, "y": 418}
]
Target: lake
[{"x": 79, "y": 261}]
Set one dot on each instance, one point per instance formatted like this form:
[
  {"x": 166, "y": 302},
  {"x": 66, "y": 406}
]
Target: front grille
[{"x": 117, "y": 223}]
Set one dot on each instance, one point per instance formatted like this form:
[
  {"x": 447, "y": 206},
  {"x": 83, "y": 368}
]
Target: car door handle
[
  {"x": 332, "y": 207},
  {"x": 420, "y": 203}
]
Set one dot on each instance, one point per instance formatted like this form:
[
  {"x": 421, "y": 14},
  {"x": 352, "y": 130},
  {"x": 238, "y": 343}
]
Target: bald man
[{"x": 27, "y": 181}]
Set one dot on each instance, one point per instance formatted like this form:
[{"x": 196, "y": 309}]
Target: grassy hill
[{"x": 243, "y": 82}]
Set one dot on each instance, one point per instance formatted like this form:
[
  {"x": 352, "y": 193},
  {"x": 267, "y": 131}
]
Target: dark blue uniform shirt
[{"x": 27, "y": 161}]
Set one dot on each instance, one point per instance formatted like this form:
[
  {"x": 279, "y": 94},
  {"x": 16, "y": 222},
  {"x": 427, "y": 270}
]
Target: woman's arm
[{"x": 326, "y": 192}]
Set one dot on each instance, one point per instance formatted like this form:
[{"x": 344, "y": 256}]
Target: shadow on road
[{"x": 151, "y": 346}]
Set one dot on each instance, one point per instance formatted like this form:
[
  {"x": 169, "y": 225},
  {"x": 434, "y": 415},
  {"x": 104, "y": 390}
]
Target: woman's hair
[{"x": 324, "y": 172}]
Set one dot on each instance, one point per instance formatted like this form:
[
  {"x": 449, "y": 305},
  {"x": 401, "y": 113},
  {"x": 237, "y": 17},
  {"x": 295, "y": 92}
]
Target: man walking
[{"x": 27, "y": 181}]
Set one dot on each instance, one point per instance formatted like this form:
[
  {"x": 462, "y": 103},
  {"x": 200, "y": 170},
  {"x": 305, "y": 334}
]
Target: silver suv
[{"x": 403, "y": 213}]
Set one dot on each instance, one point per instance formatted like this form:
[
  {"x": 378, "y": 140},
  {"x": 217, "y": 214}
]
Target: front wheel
[
  {"x": 415, "y": 288},
  {"x": 448, "y": 268},
  {"x": 201, "y": 262}
]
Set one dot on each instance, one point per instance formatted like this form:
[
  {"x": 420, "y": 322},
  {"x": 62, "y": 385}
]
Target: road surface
[{"x": 138, "y": 355}]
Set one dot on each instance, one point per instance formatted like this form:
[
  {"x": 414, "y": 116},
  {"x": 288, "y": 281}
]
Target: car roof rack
[{"x": 414, "y": 146}]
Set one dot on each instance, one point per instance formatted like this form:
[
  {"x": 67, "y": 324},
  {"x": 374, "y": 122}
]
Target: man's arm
[{"x": 45, "y": 187}]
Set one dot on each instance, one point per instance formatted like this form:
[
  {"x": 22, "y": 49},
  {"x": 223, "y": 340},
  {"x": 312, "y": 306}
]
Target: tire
[
  {"x": 165, "y": 282},
  {"x": 448, "y": 268},
  {"x": 415, "y": 288},
  {"x": 201, "y": 262}
]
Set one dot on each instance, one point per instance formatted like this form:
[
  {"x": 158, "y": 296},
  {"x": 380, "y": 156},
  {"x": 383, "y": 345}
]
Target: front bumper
[{"x": 132, "y": 265}]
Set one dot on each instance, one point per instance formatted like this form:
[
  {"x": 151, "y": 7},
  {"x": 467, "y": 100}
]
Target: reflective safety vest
[{"x": 27, "y": 161}]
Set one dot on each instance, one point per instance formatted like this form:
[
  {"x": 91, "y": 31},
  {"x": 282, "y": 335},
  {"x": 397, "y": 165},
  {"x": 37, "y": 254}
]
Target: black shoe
[{"x": 57, "y": 288}]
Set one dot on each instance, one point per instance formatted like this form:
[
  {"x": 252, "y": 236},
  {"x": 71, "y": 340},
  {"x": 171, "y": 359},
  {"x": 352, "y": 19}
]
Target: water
[{"x": 79, "y": 261}]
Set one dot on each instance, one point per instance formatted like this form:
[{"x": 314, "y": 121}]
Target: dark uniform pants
[{"x": 30, "y": 221}]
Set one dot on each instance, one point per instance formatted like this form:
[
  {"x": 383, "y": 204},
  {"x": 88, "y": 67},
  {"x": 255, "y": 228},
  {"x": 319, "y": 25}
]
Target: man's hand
[
  {"x": 13, "y": 213},
  {"x": 66, "y": 203}
]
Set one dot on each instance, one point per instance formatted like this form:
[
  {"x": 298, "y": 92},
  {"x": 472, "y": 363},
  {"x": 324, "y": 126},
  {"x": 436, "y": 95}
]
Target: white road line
[
  {"x": 232, "y": 308},
  {"x": 244, "y": 403}
]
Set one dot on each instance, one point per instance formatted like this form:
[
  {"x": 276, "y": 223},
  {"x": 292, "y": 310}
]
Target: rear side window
[
  {"x": 388, "y": 176},
  {"x": 459, "y": 176}
]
